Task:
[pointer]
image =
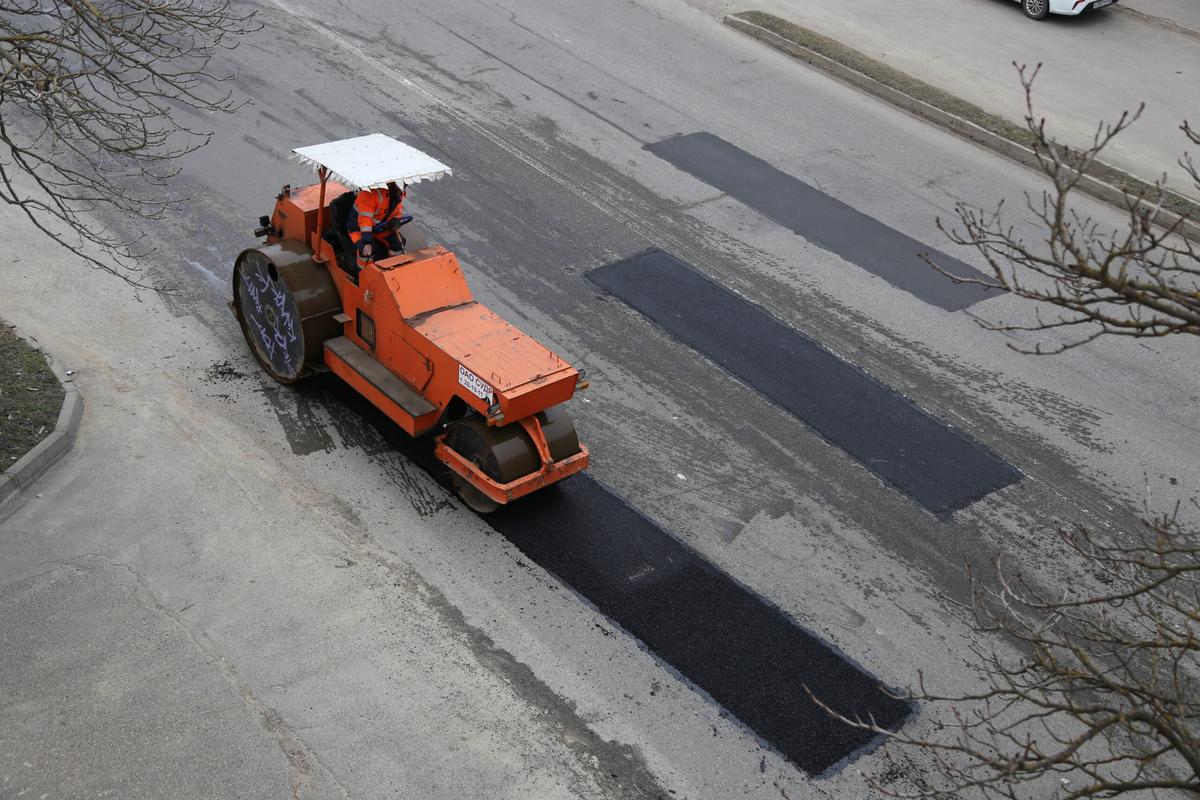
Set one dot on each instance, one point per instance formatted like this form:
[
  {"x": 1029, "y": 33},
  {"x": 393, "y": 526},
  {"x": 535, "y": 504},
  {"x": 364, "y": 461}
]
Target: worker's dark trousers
[{"x": 384, "y": 247}]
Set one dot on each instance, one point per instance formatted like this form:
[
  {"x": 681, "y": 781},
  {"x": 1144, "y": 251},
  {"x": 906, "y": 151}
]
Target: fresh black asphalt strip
[
  {"x": 823, "y": 220},
  {"x": 718, "y": 635},
  {"x": 937, "y": 466},
  {"x": 745, "y": 653}
]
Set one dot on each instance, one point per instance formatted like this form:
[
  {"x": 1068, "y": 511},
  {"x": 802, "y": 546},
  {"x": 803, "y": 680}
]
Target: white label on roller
[{"x": 474, "y": 384}]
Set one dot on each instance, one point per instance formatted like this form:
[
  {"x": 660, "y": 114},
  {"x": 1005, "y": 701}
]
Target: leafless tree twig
[
  {"x": 1104, "y": 698},
  {"x": 90, "y": 98},
  {"x": 1142, "y": 280}
]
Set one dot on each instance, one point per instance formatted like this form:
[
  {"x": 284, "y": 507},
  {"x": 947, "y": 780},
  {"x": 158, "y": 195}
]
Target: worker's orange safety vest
[{"x": 372, "y": 208}]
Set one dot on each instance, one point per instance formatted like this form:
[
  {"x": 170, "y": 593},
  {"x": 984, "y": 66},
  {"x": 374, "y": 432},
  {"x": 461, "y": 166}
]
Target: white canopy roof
[{"x": 373, "y": 160}]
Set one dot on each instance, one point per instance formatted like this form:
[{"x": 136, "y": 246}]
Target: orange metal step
[{"x": 403, "y": 404}]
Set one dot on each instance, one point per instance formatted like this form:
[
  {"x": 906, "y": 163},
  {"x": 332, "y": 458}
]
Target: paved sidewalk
[
  {"x": 1094, "y": 66},
  {"x": 1184, "y": 13}
]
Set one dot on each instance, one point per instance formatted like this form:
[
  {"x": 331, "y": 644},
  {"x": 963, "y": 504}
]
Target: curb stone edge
[
  {"x": 17, "y": 479},
  {"x": 1098, "y": 189}
]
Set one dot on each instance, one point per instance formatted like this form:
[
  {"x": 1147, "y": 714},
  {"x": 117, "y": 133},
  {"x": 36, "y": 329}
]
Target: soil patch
[{"x": 30, "y": 397}]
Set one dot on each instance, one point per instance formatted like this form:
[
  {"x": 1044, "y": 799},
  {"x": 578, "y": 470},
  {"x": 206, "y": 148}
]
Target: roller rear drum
[{"x": 286, "y": 304}]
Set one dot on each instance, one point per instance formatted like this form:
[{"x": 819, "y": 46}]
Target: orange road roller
[{"x": 404, "y": 331}]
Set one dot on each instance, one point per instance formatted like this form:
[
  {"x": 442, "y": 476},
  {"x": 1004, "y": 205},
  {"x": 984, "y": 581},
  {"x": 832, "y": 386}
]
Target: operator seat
[{"x": 340, "y": 210}]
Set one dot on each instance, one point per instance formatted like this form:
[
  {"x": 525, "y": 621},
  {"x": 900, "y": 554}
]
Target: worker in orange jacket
[{"x": 377, "y": 233}]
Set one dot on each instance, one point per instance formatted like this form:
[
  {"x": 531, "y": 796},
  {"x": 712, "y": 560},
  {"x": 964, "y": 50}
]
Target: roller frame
[{"x": 425, "y": 322}]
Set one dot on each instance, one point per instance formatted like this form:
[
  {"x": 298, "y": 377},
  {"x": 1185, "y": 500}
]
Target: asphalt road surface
[
  {"x": 232, "y": 588},
  {"x": 1093, "y": 66}
]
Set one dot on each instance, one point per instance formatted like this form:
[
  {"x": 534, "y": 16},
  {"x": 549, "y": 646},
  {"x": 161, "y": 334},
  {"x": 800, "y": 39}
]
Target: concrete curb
[
  {"x": 18, "y": 478},
  {"x": 962, "y": 127}
]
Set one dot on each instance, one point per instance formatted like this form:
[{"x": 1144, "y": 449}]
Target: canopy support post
[{"x": 318, "y": 244}]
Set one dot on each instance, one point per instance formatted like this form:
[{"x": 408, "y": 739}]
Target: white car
[{"x": 1038, "y": 9}]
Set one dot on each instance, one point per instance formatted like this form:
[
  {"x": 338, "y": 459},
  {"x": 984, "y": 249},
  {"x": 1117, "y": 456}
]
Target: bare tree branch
[
  {"x": 90, "y": 91},
  {"x": 1140, "y": 281},
  {"x": 1104, "y": 697},
  {"x": 1086, "y": 693}
]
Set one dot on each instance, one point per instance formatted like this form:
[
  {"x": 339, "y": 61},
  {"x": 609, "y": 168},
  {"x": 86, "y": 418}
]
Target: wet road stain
[
  {"x": 823, "y": 220},
  {"x": 939, "y": 467},
  {"x": 305, "y": 431},
  {"x": 426, "y": 499},
  {"x": 720, "y": 637}
]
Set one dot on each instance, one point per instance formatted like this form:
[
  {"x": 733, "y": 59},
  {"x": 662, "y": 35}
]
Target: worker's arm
[
  {"x": 364, "y": 206},
  {"x": 392, "y": 222}
]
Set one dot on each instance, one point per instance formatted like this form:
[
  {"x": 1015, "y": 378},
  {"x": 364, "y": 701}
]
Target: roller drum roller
[{"x": 286, "y": 305}]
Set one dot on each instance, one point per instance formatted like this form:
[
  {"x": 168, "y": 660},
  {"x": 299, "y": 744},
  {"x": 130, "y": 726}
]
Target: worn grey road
[
  {"x": 232, "y": 588},
  {"x": 1094, "y": 66}
]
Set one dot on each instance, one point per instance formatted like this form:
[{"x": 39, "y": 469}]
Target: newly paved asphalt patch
[
  {"x": 937, "y": 466},
  {"x": 744, "y": 652},
  {"x": 719, "y": 636},
  {"x": 826, "y": 222}
]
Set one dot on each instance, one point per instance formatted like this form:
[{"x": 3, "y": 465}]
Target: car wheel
[{"x": 1035, "y": 9}]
